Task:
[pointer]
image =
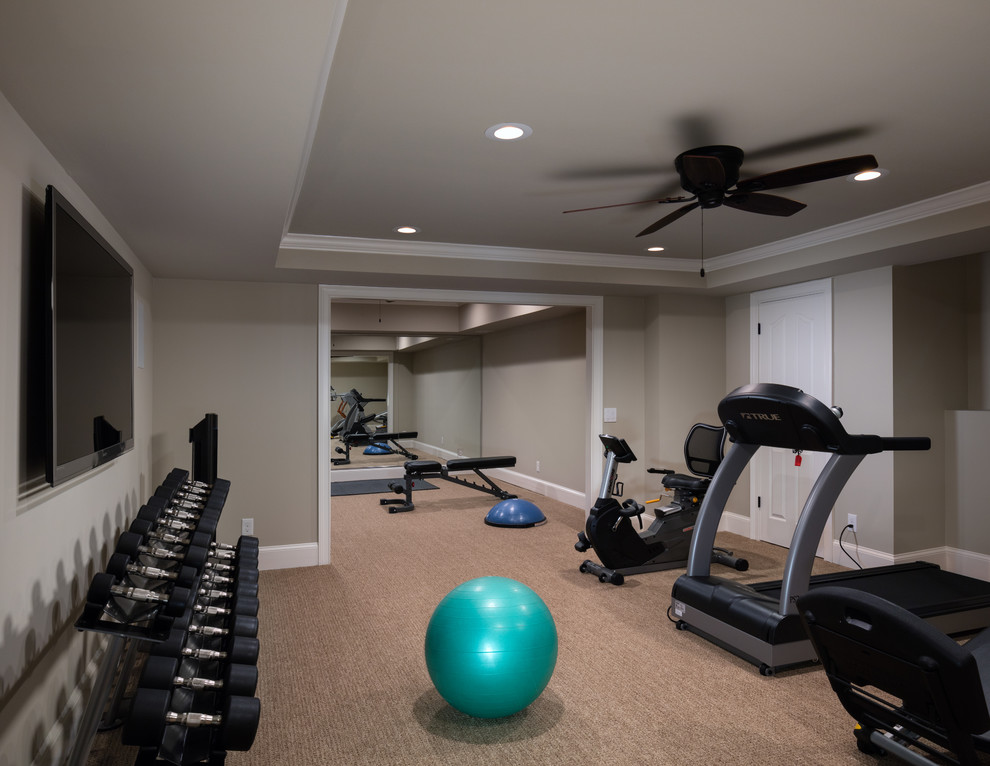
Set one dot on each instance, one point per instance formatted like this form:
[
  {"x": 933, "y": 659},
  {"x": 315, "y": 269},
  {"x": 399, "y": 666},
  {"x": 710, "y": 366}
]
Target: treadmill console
[{"x": 774, "y": 415}]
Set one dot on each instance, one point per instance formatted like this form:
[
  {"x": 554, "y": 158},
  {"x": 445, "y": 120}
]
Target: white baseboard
[
  {"x": 735, "y": 523},
  {"x": 545, "y": 488},
  {"x": 288, "y": 556},
  {"x": 955, "y": 560},
  {"x": 967, "y": 563}
]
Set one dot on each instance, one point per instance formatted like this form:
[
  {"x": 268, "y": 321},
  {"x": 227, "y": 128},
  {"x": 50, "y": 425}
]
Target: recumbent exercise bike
[{"x": 622, "y": 549}]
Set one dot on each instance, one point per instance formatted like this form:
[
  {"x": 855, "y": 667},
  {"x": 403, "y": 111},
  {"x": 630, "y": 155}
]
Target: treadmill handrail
[
  {"x": 898, "y": 443},
  {"x": 810, "y": 526},
  {"x": 699, "y": 562}
]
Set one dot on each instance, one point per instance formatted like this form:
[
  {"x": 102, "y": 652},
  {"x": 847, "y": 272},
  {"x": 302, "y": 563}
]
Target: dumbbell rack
[{"x": 184, "y": 604}]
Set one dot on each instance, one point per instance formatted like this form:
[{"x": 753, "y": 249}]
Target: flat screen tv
[{"x": 89, "y": 336}]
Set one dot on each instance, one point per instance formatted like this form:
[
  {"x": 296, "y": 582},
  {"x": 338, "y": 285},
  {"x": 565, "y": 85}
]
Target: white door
[{"x": 793, "y": 328}]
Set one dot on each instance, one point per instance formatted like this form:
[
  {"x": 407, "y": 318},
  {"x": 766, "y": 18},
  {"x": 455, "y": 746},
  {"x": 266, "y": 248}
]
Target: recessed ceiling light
[
  {"x": 509, "y": 131},
  {"x": 407, "y": 230},
  {"x": 654, "y": 249},
  {"x": 868, "y": 175}
]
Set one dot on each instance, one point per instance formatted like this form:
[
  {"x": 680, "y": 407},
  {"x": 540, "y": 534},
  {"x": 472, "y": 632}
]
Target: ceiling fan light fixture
[
  {"x": 407, "y": 229},
  {"x": 509, "y": 131}
]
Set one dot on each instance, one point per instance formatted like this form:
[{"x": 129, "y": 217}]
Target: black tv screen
[{"x": 89, "y": 360}]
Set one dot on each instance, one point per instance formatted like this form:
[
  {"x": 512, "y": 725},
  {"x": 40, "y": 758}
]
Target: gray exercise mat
[{"x": 371, "y": 486}]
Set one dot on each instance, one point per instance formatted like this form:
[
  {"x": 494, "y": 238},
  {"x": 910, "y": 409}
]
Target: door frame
[
  {"x": 815, "y": 287},
  {"x": 594, "y": 370}
]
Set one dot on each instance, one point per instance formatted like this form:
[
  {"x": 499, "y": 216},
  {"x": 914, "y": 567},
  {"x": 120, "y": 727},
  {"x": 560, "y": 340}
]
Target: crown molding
[
  {"x": 915, "y": 211},
  {"x": 359, "y": 245}
]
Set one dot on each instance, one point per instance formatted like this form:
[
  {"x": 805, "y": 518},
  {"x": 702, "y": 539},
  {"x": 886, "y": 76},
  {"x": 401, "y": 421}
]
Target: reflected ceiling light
[
  {"x": 407, "y": 230},
  {"x": 654, "y": 249},
  {"x": 509, "y": 131}
]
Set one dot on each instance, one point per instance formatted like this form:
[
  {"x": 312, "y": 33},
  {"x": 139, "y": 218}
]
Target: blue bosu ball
[
  {"x": 491, "y": 647},
  {"x": 515, "y": 512},
  {"x": 377, "y": 449}
]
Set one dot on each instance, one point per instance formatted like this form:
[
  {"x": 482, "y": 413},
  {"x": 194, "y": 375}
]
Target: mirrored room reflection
[{"x": 406, "y": 377}]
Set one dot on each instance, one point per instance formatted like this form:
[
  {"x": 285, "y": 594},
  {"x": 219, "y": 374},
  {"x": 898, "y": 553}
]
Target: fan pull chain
[{"x": 702, "y": 243}]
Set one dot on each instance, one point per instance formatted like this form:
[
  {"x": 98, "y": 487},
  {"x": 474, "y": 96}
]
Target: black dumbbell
[
  {"x": 236, "y": 722},
  {"x": 232, "y": 625},
  {"x": 104, "y": 587},
  {"x": 246, "y": 547},
  {"x": 163, "y": 673},
  {"x": 133, "y": 544},
  {"x": 242, "y": 570},
  {"x": 122, "y": 566},
  {"x": 163, "y": 524},
  {"x": 243, "y": 650},
  {"x": 242, "y": 600},
  {"x": 228, "y": 626}
]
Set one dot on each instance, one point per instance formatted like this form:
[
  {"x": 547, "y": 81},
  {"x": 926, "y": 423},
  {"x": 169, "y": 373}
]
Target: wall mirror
[{"x": 411, "y": 367}]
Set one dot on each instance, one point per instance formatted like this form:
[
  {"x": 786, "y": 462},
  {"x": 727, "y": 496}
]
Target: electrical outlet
[
  {"x": 537, "y": 466},
  {"x": 247, "y": 526},
  {"x": 852, "y": 522}
]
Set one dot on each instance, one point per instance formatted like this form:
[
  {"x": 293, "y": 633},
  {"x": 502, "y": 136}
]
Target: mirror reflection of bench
[
  {"x": 420, "y": 470},
  {"x": 385, "y": 442}
]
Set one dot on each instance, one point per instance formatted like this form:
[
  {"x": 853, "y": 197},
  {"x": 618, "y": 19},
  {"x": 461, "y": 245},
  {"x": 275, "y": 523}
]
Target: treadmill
[{"x": 759, "y": 622}]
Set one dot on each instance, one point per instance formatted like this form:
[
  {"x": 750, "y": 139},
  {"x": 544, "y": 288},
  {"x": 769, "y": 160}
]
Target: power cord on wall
[{"x": 856, "y": 539}]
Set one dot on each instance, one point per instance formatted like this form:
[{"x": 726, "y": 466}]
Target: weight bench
[
  {"x": 433, "y": 469},
  {"x": 380, "y": 438}
]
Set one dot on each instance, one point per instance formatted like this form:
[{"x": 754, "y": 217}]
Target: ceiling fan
[{"x": 711, "y": 175}]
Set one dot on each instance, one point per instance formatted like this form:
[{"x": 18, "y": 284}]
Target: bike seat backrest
[
  {"x": 704, "y": 449},
  {"x": 865, "y": 641}
]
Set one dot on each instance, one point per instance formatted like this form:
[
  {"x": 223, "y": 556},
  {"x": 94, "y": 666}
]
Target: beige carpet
[{"x": 344, "y": 681}]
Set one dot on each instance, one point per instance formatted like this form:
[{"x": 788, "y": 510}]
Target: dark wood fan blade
[
  {"x": 806, "y": 174},
  {"x": 668, "y": 219},
  {"x": 807, "y": 143},
  {"x": 766, "y": 204},
  {"x": 704, "y": 172},
  {"x": 625, "y": 204}
]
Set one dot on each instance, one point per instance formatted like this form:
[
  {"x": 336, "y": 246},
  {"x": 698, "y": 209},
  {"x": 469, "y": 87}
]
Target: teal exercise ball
[{"x": 491, "y": 647}]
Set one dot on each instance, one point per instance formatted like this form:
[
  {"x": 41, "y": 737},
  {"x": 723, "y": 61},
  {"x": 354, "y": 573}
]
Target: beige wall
[
  {"x": 535, "y": 398},
  {"x": 402, "y": 408},
  {"x": 967, "y": 490},
  {"x": 737, "y": 373},
  {"x": 51, "y": 540},
  {"x": 624, "y": 388},
  {"x": 447, "y": 396},
  {"x": 977, "y": 292},
  {"x": 863, "y": 385},
  {"x": 369, "y": 378},
  {"x": 247, "y": 352},
  {"x": 685, "y": 372},
  {"x": 930, "y": 377}
]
